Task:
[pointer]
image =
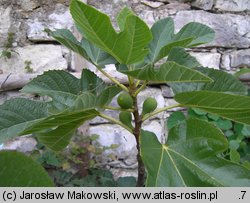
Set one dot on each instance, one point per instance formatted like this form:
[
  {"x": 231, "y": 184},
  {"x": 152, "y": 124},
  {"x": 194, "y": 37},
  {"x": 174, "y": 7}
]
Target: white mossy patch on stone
[{"x": 42, "y": 58}]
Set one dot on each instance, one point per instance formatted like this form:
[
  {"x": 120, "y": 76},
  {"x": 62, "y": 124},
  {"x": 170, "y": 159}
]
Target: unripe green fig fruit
[
  {"x": 149, "y": 105},
  {"x": 126, "y": 118},
  {"x": 125, "y": 101}
]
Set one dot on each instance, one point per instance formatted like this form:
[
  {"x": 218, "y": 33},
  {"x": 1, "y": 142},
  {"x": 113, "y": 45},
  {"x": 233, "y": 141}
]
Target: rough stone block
[
  {"x": 42, "y": 58},
  {"x": 170, "y": 10},
  {"x": 167, "y": 92},
  {"x": 22, "y": 144},
  {"x": 232, "y": 5},
  {"x": 236, "y": 59},
  {"x": 231, "y": 30},
  {"x": 152, "y": 4},
  {"x": 210, "y": 60},
  {"x": 5, "y": 24},
  {"x": 59, "y": 18},
  {"x": 203, "y": 4},
  {"x": 112, "y": 134},
  {"x": 29, "y": 5}
]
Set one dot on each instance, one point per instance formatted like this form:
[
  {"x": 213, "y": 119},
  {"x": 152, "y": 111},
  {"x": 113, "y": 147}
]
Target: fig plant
[{"x": 191, "y": 155}]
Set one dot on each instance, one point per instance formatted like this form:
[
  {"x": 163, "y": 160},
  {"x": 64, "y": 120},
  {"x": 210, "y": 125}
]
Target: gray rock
[
  {"x": 121, "y": 172},
  {"x": 174, "y": 1},
  {"x": 5, "y": 24},
  {"x": 233, "y": 5},
  {"x": 22, "y": 144},
  {"x": 167, "y": 91},
  {"x": 125, "y": 153},
  {"x": 172, "y": 102},
  {"x": 29, "y": 5},
  {"x": 152, "y": 4},
  {"x": 112, "y": 134},
  {"x": 148, "y": 16},
  {"x": 155, "y": 127},
  {"x": 210, "y": 60},
  {"x": 42, "y": 58},
  {"x": 170, "y": 10},
  {"x": 59, "y": 18},
  {"x": 231, "y": 30},
  {"x": 203, "y": 4},
  {"x": 236, "y": 59}
]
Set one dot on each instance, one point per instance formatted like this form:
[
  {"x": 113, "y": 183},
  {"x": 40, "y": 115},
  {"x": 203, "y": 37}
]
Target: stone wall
[{"x": 27, "y": 19}]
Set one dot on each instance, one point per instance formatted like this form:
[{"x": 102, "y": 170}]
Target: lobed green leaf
[
  {"x": 168, "y": 72},
  {"x": 127, "y": 47},
  {"x": 17, "y": 115},
  {"x": 189, "y": 158}
]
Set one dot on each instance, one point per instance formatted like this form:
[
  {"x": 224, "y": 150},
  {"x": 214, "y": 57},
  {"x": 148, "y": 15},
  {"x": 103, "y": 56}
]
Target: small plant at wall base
[
  {"x": 8, "y": 47},
  {"x": 77, "y": 164},
  {"x": 191, "y": 155},
  {"x": 27, "y": 66}
]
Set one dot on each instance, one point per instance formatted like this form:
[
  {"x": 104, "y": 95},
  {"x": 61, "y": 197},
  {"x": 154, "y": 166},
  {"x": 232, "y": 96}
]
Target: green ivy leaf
[
  {"x": 229, "y": 106},
  {"x": 234, "y": 156},
  {"x": 234, "y": 144},
  {"x": 189, "y": 158},
  {"x": 175, "y": 119},
  {"x": 18, "y": 170},
  {"x": 246, "y": 131},
  {"x": 129, "y": 181},
  {"x": 127, "y": 47},
  {"x": 213, "y": 117},
  {"x": 224, "y": 124}
]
